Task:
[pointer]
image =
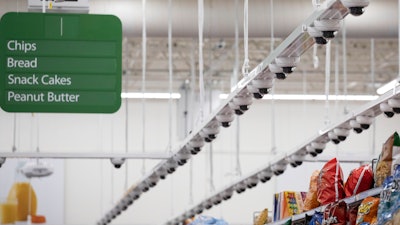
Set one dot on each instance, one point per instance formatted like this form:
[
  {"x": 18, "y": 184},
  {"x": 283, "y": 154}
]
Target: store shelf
[{"x": 349, "y": 201}]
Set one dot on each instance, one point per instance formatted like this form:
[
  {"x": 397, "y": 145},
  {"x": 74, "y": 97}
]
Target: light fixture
[
  {"x": 301, "y": 97},
  {"x": 227, "y": 194},
  {"x": 395, "y": 104},
  {"x": 365, "y": 121},
  {"x": 356, "y": 126},
  {"x": 182, "y": 156},
  {"x": 138, "y": 95},
  {"x": 216, "y": 199},
  {"x": 386, "y": 109},
  {"x": 265, "y": 175},
  {"x": 240, "y": 187},
  {"x": 387, "y": 87},
  {"x": 280, "y": 167},
  {"x": 161, "y": 172},
  {"x": 251, "y": 181}
]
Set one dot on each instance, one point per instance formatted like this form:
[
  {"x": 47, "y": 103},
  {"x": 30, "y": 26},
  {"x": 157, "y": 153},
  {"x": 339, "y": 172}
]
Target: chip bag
[
  {"x": 368, "y": 211},
  {"x": 352, "y": 214},
  {"x": 388, "y": 159},
  {"x": 311, "y": 201},
  {"x": 317, "y": 219},
  {"x": 386, "y": 204},
  {"x": 359, "y": 180},
  {"x": 335, "y": 214},
  {"x": 330, "y": 183}
]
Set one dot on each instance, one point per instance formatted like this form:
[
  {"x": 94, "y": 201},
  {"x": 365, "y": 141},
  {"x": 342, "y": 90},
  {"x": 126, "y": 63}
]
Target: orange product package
[
  {"x": 359, "y": 180},
  {"x": 311, "y": 201},
  {"x": 330, "y": 183},
  {"x": 368, "y": 211},
  {"x": 292, "y": 203}
]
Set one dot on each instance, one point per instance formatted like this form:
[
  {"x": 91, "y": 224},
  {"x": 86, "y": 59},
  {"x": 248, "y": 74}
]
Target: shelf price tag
[{"x": 60, "y": 63}]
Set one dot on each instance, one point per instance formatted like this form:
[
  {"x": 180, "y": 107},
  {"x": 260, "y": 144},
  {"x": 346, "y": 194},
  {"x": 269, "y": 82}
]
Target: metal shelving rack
[{"x": 356, "y": 199}]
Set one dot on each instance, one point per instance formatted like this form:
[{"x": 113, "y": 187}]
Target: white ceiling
[{"x": 380, "y": 22}]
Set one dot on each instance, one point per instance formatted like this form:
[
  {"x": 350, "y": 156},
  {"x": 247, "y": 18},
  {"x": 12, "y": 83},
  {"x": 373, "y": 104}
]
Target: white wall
[{"x": 91, "y": 186}]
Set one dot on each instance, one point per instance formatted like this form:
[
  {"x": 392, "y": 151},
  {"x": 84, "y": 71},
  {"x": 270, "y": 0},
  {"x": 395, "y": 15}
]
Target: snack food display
[
  {"x": 359, "y": 180},
  {"x": 368, "y": 211},
  {"x": 335, "y": 214},
  {"x": 330, "y": 183},
  {"x": 388, "y": 159}
]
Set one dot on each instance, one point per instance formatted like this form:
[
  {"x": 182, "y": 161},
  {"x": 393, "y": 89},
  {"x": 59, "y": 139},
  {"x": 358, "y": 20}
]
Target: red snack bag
[
  {"x": 359, "y": 180},
  {"x": 335, "y": 214},
  {"x": 330, "y": 183},
  {"x": 352, "y": 214}
]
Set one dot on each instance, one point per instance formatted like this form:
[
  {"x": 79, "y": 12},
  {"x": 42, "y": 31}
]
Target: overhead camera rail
[
  {"x": 117, "y": 159},
  {"x": 318, "y": 28},
  {"x": 357, "y": 120}
]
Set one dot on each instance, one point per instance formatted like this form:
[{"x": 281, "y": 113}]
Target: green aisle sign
[{"x": 60, "y": 63}]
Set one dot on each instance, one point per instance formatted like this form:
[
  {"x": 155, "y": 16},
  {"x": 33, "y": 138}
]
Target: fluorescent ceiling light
[
  {"x": 385, "y": 88},
  {"x": 317, "y": 97},
  {"x": 150, "y": 95}
]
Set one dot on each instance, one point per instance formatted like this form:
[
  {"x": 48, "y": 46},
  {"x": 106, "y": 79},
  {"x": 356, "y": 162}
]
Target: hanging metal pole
[
  {"x": 201, "y": 65},
  {"x": 327, "y": 80},
  {"x": 144, "y": 53},
  {"x": 170, "y": 74}
]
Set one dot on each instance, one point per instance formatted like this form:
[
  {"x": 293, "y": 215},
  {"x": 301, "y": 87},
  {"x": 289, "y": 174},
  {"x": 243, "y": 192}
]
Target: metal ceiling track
[
  {"x": 69, "y": 155},
  {"x": 319, "y": 27},
  {"x": 357, "y": 120}
]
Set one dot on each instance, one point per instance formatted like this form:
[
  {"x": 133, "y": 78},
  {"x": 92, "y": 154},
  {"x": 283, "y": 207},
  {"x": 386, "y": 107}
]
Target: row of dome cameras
[
  {"x": 205, "y": 205},
  {"x": 337, "y": 135},
  {"x": 263, "y": 82},
  {"x": 322, "y": 31},
  {"x": 134, "y": 194},
  {"x": 358, "y": 124},
  {"x": 239, "y": 188},
  {"x": 325, "y": 29},
  {"x": 278, "y": 168}
]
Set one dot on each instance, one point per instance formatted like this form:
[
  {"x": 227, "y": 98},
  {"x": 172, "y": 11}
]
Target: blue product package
[
  {"x": 316, "y": 219},
  {"x": 207, "y": 220},
  {"x": 395, "y": 198},
  {"x": 385, "y": 209}
]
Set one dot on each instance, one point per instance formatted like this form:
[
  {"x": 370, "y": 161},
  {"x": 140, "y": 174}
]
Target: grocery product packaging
[
  {"x": 311, "y": 200},
  {"x": 368, "y": 211},
  {"x": 395, "y": 196},
  {"x": 352, "y": 214},
  {"x": 335, "y": 214},
  {"x": 305, "y": 221},
  {"x": 207, "y": 220},
  {"x": 359, "y": 180},
  {"x": 262, "y": 218},
  {"x": 317, "y": 219},
  {"x": 287, "y": 203},
  {"x": 388, "y": 159},
  {"x": 330, "y": 183},
  {"x": 387, "y": 202}
]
